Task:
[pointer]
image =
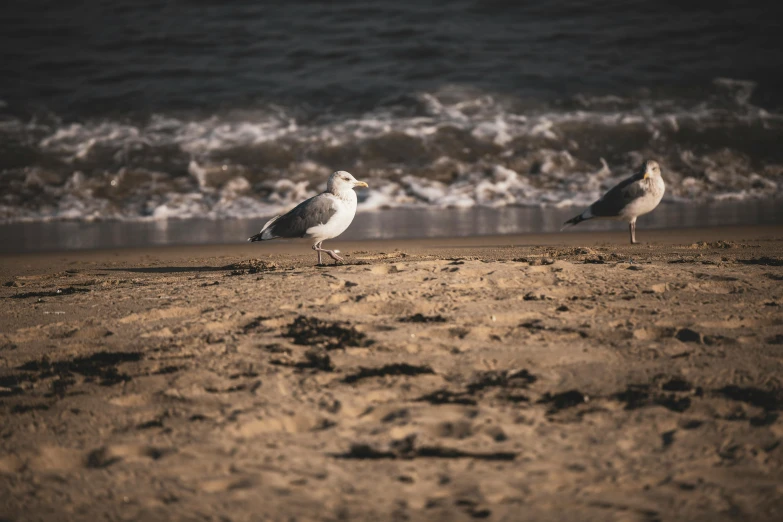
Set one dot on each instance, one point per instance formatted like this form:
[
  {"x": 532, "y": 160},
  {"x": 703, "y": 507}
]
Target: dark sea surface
[{"x": 142, "y": 111}]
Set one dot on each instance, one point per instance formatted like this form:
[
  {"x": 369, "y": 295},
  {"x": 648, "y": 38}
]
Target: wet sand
[
  {"x": 394, "y": 224},
  {"x": 550, "y": 377}
]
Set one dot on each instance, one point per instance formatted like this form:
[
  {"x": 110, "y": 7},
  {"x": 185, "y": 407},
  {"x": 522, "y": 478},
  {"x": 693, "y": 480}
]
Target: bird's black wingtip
[{"x": 572, "y": 222}]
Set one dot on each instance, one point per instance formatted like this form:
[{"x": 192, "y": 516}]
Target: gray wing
[
  {"x": 614, "y": 201},
  {"x": 307, "y": 214}
]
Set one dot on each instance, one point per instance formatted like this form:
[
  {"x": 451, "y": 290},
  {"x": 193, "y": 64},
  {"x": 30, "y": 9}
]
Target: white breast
[
  {"x": 648, "y": 202},
  {"x": 345, "y": 207}
]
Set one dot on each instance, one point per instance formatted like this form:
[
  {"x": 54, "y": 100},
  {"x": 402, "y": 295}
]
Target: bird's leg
[
  {"x": 330, "y": 253},
  {"x": 317, "y": 249},
  {"x": 632, "y": 228},
  {"x": 334, "y": 256}
]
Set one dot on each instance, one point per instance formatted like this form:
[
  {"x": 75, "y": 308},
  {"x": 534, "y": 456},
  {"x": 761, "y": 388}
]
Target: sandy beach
[{"x": 539, "y": 377}]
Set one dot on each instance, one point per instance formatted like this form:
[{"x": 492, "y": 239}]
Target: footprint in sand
[
  {"x": 653, "y": 333},
  {"x": 387, "y": 269},
  {"x": 228, "y": 484},
  {"x": 283, "y": 424},
  {"x": 107, "y": 455},
  {"x": 157, "y": 315},
  {"x": 453, "y": 429}
]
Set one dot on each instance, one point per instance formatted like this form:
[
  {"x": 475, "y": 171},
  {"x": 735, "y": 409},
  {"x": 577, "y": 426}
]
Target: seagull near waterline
[
  {"x": 321, "y": 217},
  {"x": 628, "y": 200}
]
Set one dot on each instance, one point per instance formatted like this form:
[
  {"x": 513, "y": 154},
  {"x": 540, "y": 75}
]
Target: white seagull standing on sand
[
  {"x": 628, "y": 200},
  {"x": 321, "y": 217}
]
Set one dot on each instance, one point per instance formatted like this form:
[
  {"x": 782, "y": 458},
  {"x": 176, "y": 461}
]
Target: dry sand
[{"x": 480, "y": 378}]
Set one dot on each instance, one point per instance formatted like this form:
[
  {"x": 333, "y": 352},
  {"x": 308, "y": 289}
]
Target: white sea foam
[
  {"x": 474, "y": 150},
  {"x": 484, "y": 118}
]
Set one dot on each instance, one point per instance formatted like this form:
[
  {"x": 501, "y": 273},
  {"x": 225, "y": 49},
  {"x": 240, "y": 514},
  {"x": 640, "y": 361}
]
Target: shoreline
[
  {"x": 300, "y": 253},
  {"x": 395, "y": 224}
]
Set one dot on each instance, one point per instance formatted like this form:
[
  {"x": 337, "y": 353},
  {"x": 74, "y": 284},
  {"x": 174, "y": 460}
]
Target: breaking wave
[{"x": 456, "y": 147}]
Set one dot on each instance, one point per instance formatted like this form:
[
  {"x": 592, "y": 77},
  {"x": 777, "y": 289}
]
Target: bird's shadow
[
  {"x": 225, "y": 268},
  {"x": 171, "y": 269}
]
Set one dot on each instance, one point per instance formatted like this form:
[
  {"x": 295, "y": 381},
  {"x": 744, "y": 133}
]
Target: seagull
[
  {"x": 628, "y": 200},
  {"x": 321, "y": 217}
]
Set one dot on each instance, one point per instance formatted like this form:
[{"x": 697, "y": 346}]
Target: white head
[
  {"x": 341, "y": 181},
  {"x": 651, "y": 169}
]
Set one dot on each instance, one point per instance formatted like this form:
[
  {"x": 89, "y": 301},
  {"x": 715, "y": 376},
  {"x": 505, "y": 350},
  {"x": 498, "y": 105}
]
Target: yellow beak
[
  {"x": 647, "y": 175},
  {"x": 360, "y": 184}
]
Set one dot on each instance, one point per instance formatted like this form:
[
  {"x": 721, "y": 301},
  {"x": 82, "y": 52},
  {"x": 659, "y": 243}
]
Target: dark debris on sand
[
  {"x": 771, "y": 400},
  {"x": 388, "y": 369},
  {"x": 764, "y": 261},
  {"x": 420, "y": 318},
  {"x": 310, "y": 331},
  {"x": 509, "y": 382},
  {"x": 251, "y": 266},
  {"x": 642, "y": 395},
  {"x": 408, "y": 449},
  {"x": 563, "y": 400},
  {"x": 99, "y": 367},
  {"x": 501, "y": 379}
]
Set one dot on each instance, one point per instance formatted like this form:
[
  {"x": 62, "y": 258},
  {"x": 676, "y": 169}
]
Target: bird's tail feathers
[
  {"x": 269, "y": 223},
  {"x": 265, "y": 233},
  {"x": 584, "y": 216}
]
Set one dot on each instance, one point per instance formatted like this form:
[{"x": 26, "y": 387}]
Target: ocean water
[{"x": 142, "y": 111}]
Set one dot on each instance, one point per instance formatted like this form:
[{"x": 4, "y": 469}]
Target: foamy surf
[{"x": 454, "y": 148}]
